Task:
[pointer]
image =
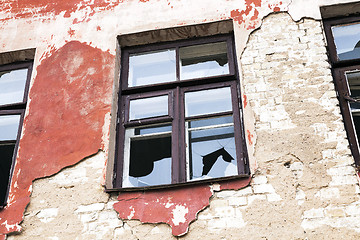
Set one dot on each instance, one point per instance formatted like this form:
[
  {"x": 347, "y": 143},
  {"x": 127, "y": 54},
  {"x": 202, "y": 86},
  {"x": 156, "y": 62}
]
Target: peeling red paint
[
  {"x": 177, "y": 207},
  {"x": 40, "y": 8},
  {"x": 250, "y": 136},
  {"x": 2, "y": 237},
  {"x": 240, "y": 16},
  {"x": 250, "y": 16},
  {"x": 98, "y": 28},
  {"x": 275, "y": 6},
  {"x": 69, "y": 99},
  {"x": 235, "y": 184},
  {"x": 71, "y": 32},
  {"x": 162, "y": 206},
  {"x": 245, "y": 100}
]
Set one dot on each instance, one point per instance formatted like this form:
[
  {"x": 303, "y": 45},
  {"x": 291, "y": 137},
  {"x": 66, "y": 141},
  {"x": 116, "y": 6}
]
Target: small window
[
  {"x": 179, "y": 116},
  {"x": 343, "y": 38},
  {"x": 14, "y": 81}
]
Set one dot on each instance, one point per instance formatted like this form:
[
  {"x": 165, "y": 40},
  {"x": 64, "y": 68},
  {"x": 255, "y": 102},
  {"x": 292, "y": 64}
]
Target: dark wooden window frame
[
  {"x": 328, "y": 24},
  {"x": 339, "y": 69},
  {"x": 343, "y": 93},
  {"x": 15, "y": 109},
  {"x": 176, "y": 114}
]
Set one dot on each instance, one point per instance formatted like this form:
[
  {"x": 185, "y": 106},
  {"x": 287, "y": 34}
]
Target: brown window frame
[
  {"x": 328, "y": 24},
  {"x": 15, "y": 109},
  {"x": 176, "y": 117},
  {"x": 343, "y": 91},
  {"x": 339, "y": 69}
]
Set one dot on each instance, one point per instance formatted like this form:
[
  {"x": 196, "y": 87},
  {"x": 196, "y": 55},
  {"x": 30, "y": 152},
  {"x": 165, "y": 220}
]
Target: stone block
[
  {"x": 259, "y": 180},
  {"x": 314, "y": 213},
  {"x": 237, "y": 201},
  {"x": 90, "y": 208}
]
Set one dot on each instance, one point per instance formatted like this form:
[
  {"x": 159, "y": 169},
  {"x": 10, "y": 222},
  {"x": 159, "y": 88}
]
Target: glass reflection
[
  {"x": 347, "y": 41},
  {"x": 152, "y": 68},
  {"x": 353, "y": 79},
  {"x": 9, "y": 125},
  {"x": 211, "y": 151},
  {"x": 149, "y": 159},
  {"x": 208, "y": 101},
  {"x": 149, "y": 107},
  {"x": 203, "y": 60},
  {"x": 12, "y": 86}
]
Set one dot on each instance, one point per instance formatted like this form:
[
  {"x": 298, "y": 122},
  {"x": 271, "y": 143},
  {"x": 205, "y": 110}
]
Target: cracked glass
[
  {"x": 149, "y": 157},
  {"x": 203, "y": 60},
  {"x": 211, "y": 150}
]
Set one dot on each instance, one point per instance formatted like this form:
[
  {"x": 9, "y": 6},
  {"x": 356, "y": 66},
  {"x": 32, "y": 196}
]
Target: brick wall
[{"x": 304, "y": 187}]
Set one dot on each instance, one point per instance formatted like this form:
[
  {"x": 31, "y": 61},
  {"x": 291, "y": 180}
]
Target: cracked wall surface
[{"x": 304, "y": 184}]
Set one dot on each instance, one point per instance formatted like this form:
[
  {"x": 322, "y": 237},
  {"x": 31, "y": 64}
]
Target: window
[
  {"x": 179, "y": 117},
  {"x": 14, "y": 81},
  {"x": 343, "y": 38}
]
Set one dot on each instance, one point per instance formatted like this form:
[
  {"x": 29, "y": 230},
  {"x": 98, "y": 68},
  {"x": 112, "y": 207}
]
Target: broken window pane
[
  {"x": 149, "y": 107},
  {"x": 152, "y": 67},
  {"x": 9, "y": 125},
  {"x": 347, "y": 41},
  {"x": 208, "y": 101},
  {"x": 354, "y": 85},
  {"x": 204, "y": 60},
  {"x": 6, "y": 155},
  {"x": 149, "y": 157},
  {"x": 211, "y": 149},
  {"x": 12, "y": 85}
]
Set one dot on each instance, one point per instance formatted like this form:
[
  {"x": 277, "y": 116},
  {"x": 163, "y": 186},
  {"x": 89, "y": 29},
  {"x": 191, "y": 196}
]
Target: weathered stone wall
[{"x": 305, "y": 186}]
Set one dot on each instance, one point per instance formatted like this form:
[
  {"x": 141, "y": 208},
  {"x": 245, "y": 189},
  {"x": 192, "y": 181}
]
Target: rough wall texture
[
  {"x": 304, "y": 185},
  {"x": 304, "y": 182}
]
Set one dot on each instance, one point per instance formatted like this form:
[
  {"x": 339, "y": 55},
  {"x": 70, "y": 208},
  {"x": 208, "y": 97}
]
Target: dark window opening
[{"x": 6, "y": 154}]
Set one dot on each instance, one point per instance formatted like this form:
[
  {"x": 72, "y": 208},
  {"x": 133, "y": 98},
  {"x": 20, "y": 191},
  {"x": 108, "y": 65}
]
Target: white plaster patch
[
  {"x": 106, "y": 131},
  {"x": 300, "y": 196},
  {"x": 10, "y": 226},
  {"x": 168, "y": 204},
  {"x": 90, "y": 208},
  {"x": 48, "y": 214},
  {"x": 179, "y": 213},
  {"x": 328, "y": 193},
  {"x": 132, "y": 213}
]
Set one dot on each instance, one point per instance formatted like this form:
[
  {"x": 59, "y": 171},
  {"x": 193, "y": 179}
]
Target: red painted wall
[{"x": 69, "y": 98}]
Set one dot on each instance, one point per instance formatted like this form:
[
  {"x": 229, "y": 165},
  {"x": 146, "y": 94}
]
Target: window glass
[
  {"x": 207, "y": 101},
  {"x": 347, "y": 41},
  {"x": 354, "y": 87},
  {"x": 211, "y": 151},
  {"x": 9, "y": 125},
  {"x": 203, "y": 60},
  {"x": 12, "y": 86},
  {"x": 149, "y": 158},
  {"x": 152, "y": 68},
  {"x": 148, "y": 107}
]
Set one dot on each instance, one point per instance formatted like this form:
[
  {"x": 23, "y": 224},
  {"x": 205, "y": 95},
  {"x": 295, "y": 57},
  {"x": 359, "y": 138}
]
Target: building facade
[{"x": 179, "y": 119}]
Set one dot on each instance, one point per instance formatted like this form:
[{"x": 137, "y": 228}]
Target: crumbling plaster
[{"x": 68, "y": 35}]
